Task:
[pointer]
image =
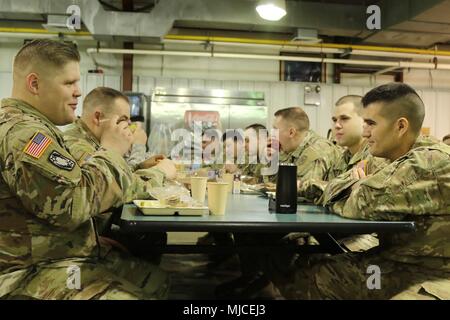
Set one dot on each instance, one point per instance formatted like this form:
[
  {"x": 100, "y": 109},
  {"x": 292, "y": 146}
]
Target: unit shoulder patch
[{"x": 61, "y": 161}]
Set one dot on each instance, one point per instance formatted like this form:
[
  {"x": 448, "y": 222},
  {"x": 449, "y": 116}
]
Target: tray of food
[{"x": 157, "y": 208}]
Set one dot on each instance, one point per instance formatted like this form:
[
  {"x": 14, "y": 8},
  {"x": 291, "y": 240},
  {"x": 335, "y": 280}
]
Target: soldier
[
  {"x": 48, "y": 239},
  {"x": 251, "y": 168},
  {"x": 347, "y": 130},
  {"x": 312, "y": 154},
  {"x": 415, "y": 186},
  {"x": 84, "y": 135},
  {"x": 138, "y": 157},
  {"x": 83, "y": 139}
]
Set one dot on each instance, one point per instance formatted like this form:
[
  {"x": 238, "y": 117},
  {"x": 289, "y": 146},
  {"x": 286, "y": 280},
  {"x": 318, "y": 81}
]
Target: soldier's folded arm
[
  {"x": 394, "y": 193},
  {"x": 53, "y": 187}
]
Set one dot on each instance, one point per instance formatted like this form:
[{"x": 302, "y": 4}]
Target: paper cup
[
  {"x": 217, "y": 197},
  {"x": 198, "y": 188},
  {"x": 228, "y": 178}
]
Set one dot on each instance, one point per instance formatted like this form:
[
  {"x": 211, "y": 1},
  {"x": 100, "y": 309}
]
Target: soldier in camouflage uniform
[
  {"x": 47, "y": 200},
  {"x": 347, "y": 129},
  {"x": 312, "y": 154},
  {"x": 415, "y": 186},
  {"x": 84, "y": 135},
  {"x": 138, "y": 157},
  {"x": 83, "y": 139},
  {"x": 251, "y": 168}
]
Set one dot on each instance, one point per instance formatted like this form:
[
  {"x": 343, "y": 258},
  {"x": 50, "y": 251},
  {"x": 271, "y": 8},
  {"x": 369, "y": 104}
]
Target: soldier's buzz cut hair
[
  {"x": 102, "y": 97},
  {"x": 47, "y": 52},
  {"x": 355, "y": 100},
  {"x": 399, "y": 100},
  {"x": 446, "y": 137},
  {"x": 256, "y": 127},
  {"x": 296, "y": 116}
]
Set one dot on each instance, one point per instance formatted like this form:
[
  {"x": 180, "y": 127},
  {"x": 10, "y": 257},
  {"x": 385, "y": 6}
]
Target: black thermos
[{"x": 286, "y": 196}]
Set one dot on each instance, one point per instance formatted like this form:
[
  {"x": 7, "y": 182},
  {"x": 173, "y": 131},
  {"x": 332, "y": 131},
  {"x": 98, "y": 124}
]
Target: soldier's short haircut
[
  {"x": 102, "y": 97},
  {"x": 45, "y": 51},
  {"x": 296, "y": 116},
  {"x": 446, "y": 137},
  {"x": 256, "y": 127},
  {"x": 355, "y": 100},
  {"x": 399, "y": 100}
]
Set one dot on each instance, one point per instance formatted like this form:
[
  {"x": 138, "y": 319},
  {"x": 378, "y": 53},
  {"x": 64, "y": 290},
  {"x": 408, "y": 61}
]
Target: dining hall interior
[{"x": 259, "y": 135}]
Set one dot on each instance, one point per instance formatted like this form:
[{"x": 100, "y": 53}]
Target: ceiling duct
[{"x": 56, "y": 23}]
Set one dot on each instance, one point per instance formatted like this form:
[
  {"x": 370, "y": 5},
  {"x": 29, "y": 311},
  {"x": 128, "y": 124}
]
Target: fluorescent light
[{"x": 272, "y": 10}]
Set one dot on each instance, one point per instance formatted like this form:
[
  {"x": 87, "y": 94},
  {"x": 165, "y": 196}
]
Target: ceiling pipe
[
  {"x": 313, "y": 45},
  {"x": 290, "y": 46},
  {"x": 390, "y": 64},
  {"x": 318, "y": 50}
]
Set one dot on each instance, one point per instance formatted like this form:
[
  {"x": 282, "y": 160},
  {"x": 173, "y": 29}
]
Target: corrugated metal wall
[{"x": 278, "y": 95}]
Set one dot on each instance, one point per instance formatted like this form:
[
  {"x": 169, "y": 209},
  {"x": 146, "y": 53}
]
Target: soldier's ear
[
  {"x": 97, "y": 116},
  {"x": 402, "y": 126},
  {"x": 292, "y": 132},
  {"x": 32, "y": 83}
]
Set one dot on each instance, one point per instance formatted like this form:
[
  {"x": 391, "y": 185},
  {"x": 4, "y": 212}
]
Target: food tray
[{"x": 155, "y": 208}]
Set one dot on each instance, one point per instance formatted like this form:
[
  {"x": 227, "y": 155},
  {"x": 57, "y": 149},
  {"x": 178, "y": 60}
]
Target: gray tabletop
[{"x": 249, "y": 213}]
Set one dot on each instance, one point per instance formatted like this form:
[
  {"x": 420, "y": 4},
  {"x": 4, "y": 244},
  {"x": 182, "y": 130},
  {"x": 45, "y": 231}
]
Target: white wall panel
[
  {"x": 5, "y": 84},
  {"x": 114, "y": 82},
  {"x": 146, "y": 85},
  {"x": 429, "y": 99},
  {"x": 442, "y": 114}
]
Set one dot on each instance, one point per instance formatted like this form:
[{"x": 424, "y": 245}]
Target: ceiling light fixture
[{"x": 272, "y": 10}]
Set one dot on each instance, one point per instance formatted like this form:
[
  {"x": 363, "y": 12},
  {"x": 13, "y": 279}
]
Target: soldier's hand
[
  {"x": 231, "y": 168},
  {"x": 358, "y": 173},
  {"x": 152, "y": 161},
  {"x": 168, "y": 167},
  {"x": 116, "y": 136},
  {"x": 139, "y": 136}
]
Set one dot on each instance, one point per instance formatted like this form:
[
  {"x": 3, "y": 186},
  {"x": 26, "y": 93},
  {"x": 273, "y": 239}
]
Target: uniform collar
[
  {"x": 26, "y": 108},
  {"x": 361, "y": 154},
  {"x": 301, "y": 147},
  {"x": 87, "y": 132}
]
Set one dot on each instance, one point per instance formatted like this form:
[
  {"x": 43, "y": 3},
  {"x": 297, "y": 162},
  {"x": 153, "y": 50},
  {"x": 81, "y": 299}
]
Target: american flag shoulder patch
[{"x": 37, "y": 145}]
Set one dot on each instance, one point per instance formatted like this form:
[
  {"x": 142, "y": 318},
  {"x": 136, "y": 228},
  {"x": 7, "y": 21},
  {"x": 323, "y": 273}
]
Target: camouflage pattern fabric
[
  {"x": 415, "y": 187},
  {"x": 82, "y": 144},
  {"x": 312, "y": 189},
  {"x": 137, "y": 154},
  {"x": 352, "y": 276},
  {"x": 313, "y": 157},
  {"x": 47, "y": 200}
]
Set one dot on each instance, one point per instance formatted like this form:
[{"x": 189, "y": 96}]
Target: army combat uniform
[
  {"x": 137, "y": 154},
  {"x": 313, "y": 157},
  {"x": 47, "y": 202},
  {"x": 312, "y": 189},
  {"x": 416, "y": 265},
  {"x": 82, "y": 144}
]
